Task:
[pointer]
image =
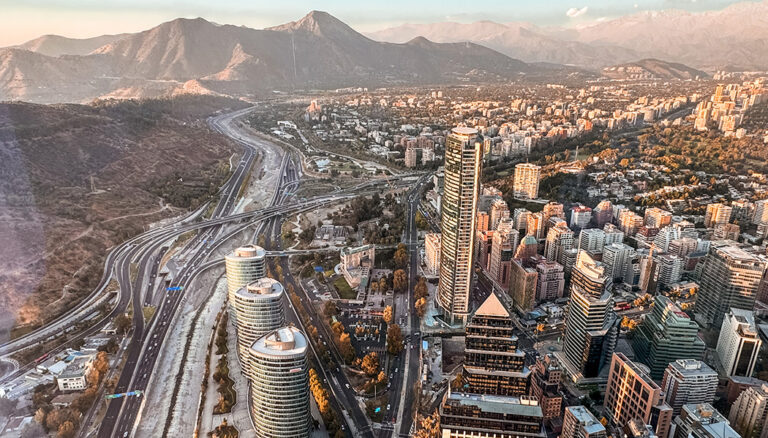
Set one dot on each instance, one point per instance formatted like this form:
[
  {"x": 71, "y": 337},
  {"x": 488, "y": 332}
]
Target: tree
[
  {"x": 428, "y": 427},
  {"x": 400, "y": 281},
  {"x": 401, "y": 256},
  {"x": 337, "y": 328},
  {"x": 123, "y": 323},
  {"x": 383, "y": 285},
  {"x": 370, "y": 364},
  {"x": 421, "y": 307},
  {"x": 330, "y": 309},
  {"x": 394, "y": 340},
  {"x": 421, "y": 222},
  {"x": 66, "y": 430},
  {"x": 387, "y": 316},
  {"x": 420, "y": 290},
  {"x": 345, "y": 347}
]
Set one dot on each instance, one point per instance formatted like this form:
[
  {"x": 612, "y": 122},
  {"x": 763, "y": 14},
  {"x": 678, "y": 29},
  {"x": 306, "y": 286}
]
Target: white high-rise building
[
  {"x": 688, "y": 381},
  {"x": 463, "y": 158},
  {"x": 592, "y": 240},
  {"x": 245, "y": 265},
  {"x": 499, "y": 211},
  {"x": 738, "y": 345},
  {"x": 559, "y": 240},
  {"x": 280, "y": 384},
  {"x": 526, "y": 182},
  {"x": 258, "y": 309},
  {"x": 432, "y": 253},
  {"x": 616, "y": 259}
]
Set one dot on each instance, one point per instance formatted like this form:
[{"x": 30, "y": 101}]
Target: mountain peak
[{"x": 318, "y": 23}]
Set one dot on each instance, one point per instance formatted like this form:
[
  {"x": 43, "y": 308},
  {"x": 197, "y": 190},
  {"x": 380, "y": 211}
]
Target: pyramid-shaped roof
[{"x": 492, "y": 306}]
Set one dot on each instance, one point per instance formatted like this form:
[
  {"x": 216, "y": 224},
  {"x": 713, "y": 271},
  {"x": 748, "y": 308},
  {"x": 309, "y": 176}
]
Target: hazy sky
[{"x": 22, "y": 20}]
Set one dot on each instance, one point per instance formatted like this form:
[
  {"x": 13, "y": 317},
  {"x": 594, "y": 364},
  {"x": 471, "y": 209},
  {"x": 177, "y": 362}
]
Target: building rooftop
[
  {"x": 249, "y": 251},
  {"x": 285, "y": 341},
  {"x": 492, "y": 307},
  {"x": 263, "y": 287},
  {"x": 522, "y": 405},
  {"x": 463, "y": 130}
]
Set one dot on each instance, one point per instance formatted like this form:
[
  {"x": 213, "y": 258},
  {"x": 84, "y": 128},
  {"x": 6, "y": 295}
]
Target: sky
[{"x": 22, "y": 20}]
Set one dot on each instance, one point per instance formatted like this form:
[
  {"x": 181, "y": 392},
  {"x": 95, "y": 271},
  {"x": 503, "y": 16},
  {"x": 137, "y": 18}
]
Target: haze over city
[{"x": 339, "y": 219}]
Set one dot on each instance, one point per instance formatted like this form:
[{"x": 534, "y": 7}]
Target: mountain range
[
  {"x": 318, "y": 51},
  {"x": 735, "y": 37}
]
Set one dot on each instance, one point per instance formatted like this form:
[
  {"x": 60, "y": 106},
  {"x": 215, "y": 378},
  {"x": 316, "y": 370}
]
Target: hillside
[
  {"x": 318, "y": 51},
  {"x": 56, "y": 45},
  {"x": 76, "y": 180},
  {"x": 653, "y": 69}
]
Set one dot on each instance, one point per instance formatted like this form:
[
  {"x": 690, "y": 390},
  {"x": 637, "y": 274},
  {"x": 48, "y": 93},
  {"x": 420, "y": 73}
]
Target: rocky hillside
[
  {"x": 77, "y": 179},
  {"x": 653, "y": 69}
]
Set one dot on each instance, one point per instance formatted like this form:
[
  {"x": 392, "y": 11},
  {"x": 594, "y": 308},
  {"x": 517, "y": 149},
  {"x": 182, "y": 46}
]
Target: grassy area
[
  {"x": 149, "y": 312},
  {"x": 21, "y": 330},
  {"x": 345, "y": 291}
]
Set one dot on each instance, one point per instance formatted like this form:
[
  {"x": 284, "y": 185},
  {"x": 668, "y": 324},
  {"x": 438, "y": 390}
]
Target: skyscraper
[
  {"x": 545, "y": 385},
  {"x": 631, "y": 394},
  {"x": 551, "y": 281},
  {"x": 463, "y": 157},
  {"x": 730, "y": 278},
  {"x": 688, "y": 381},
  {"x": 526, "y": 182},
  {"x": 738, "y": 345},
  {"x": 559, "y": 239},
  {"x": 280, "y": 384},
  {"x": 665, "y": 335},
  {"x": 464, "y": 415},
  {"x": 603, "y": 213},
  {"x": 245, "y": 264},
  {"x": 591, "y": 327},
  {"x": 492, "y": 363},
  {"x": 505, "y": 239},
  {"x": 499, "y": 211},
  {"x": 258, "y": 309},
  {"x": 616, "y": 259}
]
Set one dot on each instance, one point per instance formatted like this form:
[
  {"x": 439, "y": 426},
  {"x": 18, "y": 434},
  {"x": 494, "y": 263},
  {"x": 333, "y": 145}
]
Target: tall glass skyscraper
[
  {"x": 463, "y": 157},
  {"x": 245, "y": 264},
  {"x": 280, "y": 384},
  {"x": 258, "y": 308}
]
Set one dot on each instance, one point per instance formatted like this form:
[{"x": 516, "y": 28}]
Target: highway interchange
[{"x": 134, "y": 264}]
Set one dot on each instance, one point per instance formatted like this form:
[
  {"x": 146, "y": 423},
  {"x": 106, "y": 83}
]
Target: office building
[
  {"x": 545, "y": 385},
  {"x": 522, "y": 285},
  {"x": 701, "y": 420},
  {"x": 559, "y": 240},
  {"x": 526, "y": 182},
  {"x": 630, "y": 222},
  {"x": 616, "y": 258},
  {"x": 612, "y": 234},
  {"x": 581, "y": 216},
  {"x": 737, "y": 384},
  {"x": 591, "y": 327},
  {"x": 483, "y": 222},
  {"x": 578, "y": 422},
  {"x": 280, "y": 384},
  {"x": 665, "y": 335},
  {"x": 505, "y": 239},
  {"x": 492, "y": 362},
  {"x": 603, "y": 213},
  {"x": 631, "y": 394},
  {"x": 688, "y": 381},
  {"x": 432, "y": 253},
  {"x": 459, "y": 207},
  {"x": 464, "y": 415},
  {"x": 717, "y": 214},
  {"x": 551, "y": 281},
  {"x": 738, "y": 345},
  {"x": 656, "y": 217},
  {"x": 730, "y": 278},
  {"x": 258, "y": 309},
  {"x": 592, "y": 240},
  {"x": 535, "y": 225},
  {"x": 245, "y": 265},
  {"x": 499, "y": 211},
  {"x": 749, "y": 412}
]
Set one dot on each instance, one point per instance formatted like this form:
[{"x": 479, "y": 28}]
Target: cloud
[{"x": 576, "y": 12}]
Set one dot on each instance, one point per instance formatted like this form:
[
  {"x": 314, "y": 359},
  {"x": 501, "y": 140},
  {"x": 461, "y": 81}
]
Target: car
[
  {"x": 388, "y": 406},
  {"x": 347, "y": 385}
]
